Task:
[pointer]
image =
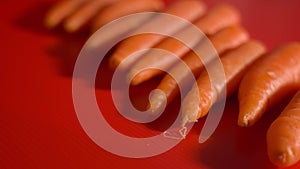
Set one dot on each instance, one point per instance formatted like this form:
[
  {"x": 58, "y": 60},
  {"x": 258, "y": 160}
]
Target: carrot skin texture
[
  {"x": 283, "y": 135},
  {"x": 124, "y": 7},
  {"x": 145, "y": 41},
  {"x": 230, "y": 37},
  {"x": 218, "y": 18},
  {"x": 272, "y": 78},
  {"x": 235, "y": 64}
]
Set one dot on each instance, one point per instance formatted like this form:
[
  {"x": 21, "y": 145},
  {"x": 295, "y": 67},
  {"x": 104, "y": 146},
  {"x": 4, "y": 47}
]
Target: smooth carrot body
[
  {"x": 189, "y": 10},
  {"x": 230, "y": 37},
  {"x": 204, "y": 94},
  {"x": 283, "y": 136},
  {"x": 125, "y": 7},
  {"x": 218, "y": 18},
  {"x": 272, "y": 78}
]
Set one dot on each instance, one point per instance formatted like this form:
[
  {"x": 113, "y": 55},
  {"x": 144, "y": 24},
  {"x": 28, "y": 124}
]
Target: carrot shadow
[
  {"x": 33, "y": 19},
  {"x": 66, "y": 51},
  {"x": 241, "y": 147},
  {"x": 68, "y": 47}
]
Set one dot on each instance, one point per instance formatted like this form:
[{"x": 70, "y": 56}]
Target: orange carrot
[
  {"x": 189, "y": 10},
  {"x": 61, "y": 11},
  {"x": 283, "y": 136},
  {"x": 235, "y": 63},
  {"x": 269, "y": 80},
  {"x": 125, "y": 7},
  {"x": 218, "y": 18},
  {"x": 228, "y": 38},
  {"x": 84, "y": 14}
]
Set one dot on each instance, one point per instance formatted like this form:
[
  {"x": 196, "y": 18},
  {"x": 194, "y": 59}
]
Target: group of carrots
[{"x": 262, "y": 79}]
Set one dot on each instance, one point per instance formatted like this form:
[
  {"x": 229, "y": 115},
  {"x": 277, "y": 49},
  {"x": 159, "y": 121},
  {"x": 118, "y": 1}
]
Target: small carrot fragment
[
  {"x": 61, "y": 11},
  {"x": 218, "y": 18},
  {"x": 272, "y": 78},
  {"x": 235, "y": 64},
  {"x": 189, "y": 10},
  {"x": 228, "y": 38},
  {"x": 84, "y": 14},
  {"x": 125, "y": 7},
  {"x": 283, "y": 136}
]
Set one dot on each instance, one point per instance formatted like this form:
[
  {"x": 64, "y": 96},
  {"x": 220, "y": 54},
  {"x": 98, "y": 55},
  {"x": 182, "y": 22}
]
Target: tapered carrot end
[
  {"x": 71, "y": 26},
  {"x": 244, "y": 121},
  {"x": 114, "y": 61},
  {"x": 133, "y": 78},
  {"x": 280, "y": 159},
  {"x": 249, "y": 115},
  {"x": 136, "y": 80},
  {"x": 158, "y": 101},
  {"x": 50, "y": 22}
]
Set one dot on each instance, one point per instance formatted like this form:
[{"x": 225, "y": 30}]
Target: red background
[{"x": 38, "y": 124}]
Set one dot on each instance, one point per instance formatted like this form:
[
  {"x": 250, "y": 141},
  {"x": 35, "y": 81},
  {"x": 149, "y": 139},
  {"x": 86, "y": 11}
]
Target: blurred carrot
[
  {"x": 125, "y": 7},
  {"x": 218, "y": 18},
  {"x": 283, "y": 136},
  {"x": 273, "y": 77},
  {"x": 235, "y": 64},
  {"x": 61, "y": 11},
  {"x": 84, "y": 14},
  {"x": 228, "y": 38},
  {"x": 189, "y": 10}
]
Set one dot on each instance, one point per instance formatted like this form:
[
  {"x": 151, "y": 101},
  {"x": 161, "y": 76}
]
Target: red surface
[{"x": 38, "y": 124}]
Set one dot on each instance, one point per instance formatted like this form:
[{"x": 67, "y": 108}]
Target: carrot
[
  {"x": 61, "y": 11},
  {"x": 235, "y": 63},
  {"x": 283, "y": 136},
  {"x": 218, "y": 18},
  {"x": 84, "y": 14},
  {"x": 125, "y": 7},
  {"x": 271, "y": 79},
  {"x": 228, "y": 38},
  {"x": 189, "y": 10}
]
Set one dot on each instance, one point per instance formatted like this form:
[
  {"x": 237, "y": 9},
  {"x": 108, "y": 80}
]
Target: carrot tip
[
  {"x": 245, "y": 121},
  {"x": 113, "y": 63},
  {"x": 158, "y": 101},
  {"x": 71, "y": 26},
  {"x": 49, "y": 24},
  {"x": 186, "y": 120},
  {"x": 135, "y": 79}
]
